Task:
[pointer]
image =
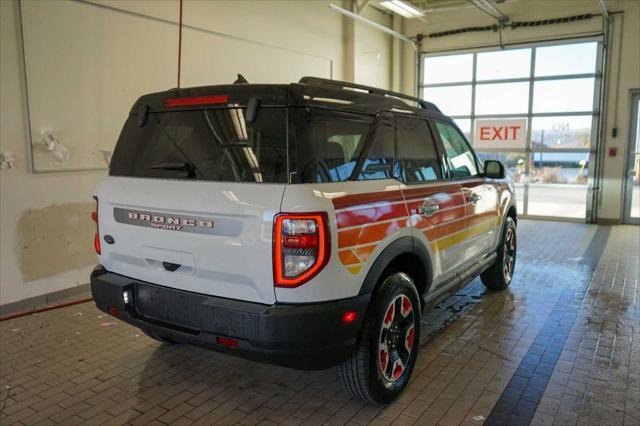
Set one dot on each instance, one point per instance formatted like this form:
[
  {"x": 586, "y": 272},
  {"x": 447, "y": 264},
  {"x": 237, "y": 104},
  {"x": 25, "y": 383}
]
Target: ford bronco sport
[{"x": 307, "y": 225}]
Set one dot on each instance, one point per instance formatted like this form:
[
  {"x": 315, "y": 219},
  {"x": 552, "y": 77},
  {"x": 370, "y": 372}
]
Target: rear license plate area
[{"x": 174, "y": 307}]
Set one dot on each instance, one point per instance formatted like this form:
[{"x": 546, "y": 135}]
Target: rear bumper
[{"x": 306, "y": 336}]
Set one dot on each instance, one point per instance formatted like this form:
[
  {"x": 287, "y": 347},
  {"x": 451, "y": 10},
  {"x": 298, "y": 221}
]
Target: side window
[
  {"x": 325, "y": 146},
  {"x": 379, "y": 163},
  {"x": 460, "y": 158},
  {"x": 417, "y": 155}
]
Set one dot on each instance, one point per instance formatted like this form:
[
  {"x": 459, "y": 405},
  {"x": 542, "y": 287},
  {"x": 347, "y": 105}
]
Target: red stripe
[
  {"x": 370, "y": 214},
  {"x": 423, "y": 192},
  {"x": 366, "y": 198},
  {"x": 46, "y": 308},
  {"x": 444, "y": 201}
]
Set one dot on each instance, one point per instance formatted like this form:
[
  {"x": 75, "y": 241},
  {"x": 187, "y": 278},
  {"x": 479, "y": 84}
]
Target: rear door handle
[
  {"x": 474, "y": 198},
  {"x": 428, "y": 210}
]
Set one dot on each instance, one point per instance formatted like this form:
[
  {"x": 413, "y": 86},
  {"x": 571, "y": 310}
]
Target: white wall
[
  {"x": 45, "y": 245},
  {"x": 627, "y": 61},
  {"x": 373, "y": 51}
]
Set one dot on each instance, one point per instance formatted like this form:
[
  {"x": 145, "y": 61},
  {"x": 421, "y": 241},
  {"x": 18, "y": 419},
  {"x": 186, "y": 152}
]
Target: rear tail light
[
  {"x": 301, "y": 247},
  {"x": 96, "y": 237},
  {"x": 228, "y": 342}
]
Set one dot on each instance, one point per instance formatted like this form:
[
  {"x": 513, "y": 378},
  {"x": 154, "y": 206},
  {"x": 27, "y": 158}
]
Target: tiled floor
[{"x": 561, "y": 346}]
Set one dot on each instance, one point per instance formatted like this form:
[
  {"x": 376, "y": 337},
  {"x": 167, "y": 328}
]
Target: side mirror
[
  {"x": 494, "y": 169},
  {"x": 252, "y": 110}
]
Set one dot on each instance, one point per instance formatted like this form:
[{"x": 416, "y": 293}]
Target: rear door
[
  {"x": 481, "y": 197},
  {"x": 191, "y": 198},
  {"x": 436, "y": 206}
]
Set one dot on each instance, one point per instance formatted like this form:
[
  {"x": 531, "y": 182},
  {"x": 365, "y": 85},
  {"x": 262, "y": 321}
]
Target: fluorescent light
[{"x": 402, "y": 8}]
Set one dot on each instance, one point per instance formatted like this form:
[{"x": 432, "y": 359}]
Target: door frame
[{"x": 627, "y": 187}]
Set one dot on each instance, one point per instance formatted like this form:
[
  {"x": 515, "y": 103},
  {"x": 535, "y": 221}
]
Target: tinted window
[
  {"x": 417, "y": 155},
  {"x": 215, "y": 145},
  {"x": 379, "y": 161},
  {"x": 325, "y": 145},
  {"x": 460, "y": 158}
]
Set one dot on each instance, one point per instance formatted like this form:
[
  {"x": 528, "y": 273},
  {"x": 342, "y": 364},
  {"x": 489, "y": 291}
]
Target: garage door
[{"x": 531, "y": 107}]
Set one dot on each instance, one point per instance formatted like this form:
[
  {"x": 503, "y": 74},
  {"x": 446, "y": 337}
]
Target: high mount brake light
[
  {"x": 301, "y": 247},
  {"x": 196, "y": 100},
  {"x": 96, "y": 237}
]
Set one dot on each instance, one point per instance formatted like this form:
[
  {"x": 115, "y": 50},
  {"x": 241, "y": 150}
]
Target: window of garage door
[{"x": 551, "y": 89}]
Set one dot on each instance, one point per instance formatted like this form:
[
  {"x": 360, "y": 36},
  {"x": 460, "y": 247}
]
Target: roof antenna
[{"x": 240, "y": 80}]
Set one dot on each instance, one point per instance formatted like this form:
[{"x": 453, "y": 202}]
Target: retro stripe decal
[{"x": 364, "y": 220}]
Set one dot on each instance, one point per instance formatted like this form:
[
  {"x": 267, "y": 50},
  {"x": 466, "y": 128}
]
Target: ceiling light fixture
[{"x": 402, "y": 8}]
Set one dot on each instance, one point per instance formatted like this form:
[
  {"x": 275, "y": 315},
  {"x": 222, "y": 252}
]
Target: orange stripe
[
  {"x": 364, "y": 252},
  {"x": 442, "y": 217},
  {"x": 347, "y": 257},
  {"x": 369, "y": 234},
  {"x": 444, "y": 230}
]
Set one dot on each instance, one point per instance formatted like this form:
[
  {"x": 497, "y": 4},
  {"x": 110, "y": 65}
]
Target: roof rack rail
[{"x": 317, "y": 81}]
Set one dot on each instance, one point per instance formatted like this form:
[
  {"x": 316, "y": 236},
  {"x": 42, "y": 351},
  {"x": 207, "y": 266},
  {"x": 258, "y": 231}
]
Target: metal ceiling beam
[
  {"x": 374, "y": 25},
  {"x": 487, "y": 7}
]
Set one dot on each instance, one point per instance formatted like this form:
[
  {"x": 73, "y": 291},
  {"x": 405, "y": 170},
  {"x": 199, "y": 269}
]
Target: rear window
[{"x": 213, "y": 144}]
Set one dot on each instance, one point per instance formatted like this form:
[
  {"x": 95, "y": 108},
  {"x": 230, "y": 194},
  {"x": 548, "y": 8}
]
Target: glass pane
[
  {"x": 325, "y": 144},
  {"x": 566, "y": 59},
  {"x": 182, "y": 145},
  {"x": 560, "y": 168},
  {"x": 558, "y": 184},
  {"x": 635, "y": 189},
  {"x": 417, "y": 153},
  {"x": 452, "y": 100},
  {"x": 560, "y": 96},
  {"x": 502, "y": 98},
  {"x": 379, "y": 162},
  {"x": 448, "y": 69},
  {"x": 465, "y": 126},
  {"x": 503, "y": 64},
  {"x": 634, "y": 211},
  {"x": 460, "y": 158},
  {"x": 561, "y": 132},
  {"x": 514, "y": 164}
]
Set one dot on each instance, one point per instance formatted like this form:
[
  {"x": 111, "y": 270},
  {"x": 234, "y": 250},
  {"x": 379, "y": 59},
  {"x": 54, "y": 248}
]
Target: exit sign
[{"x": 500, "y": 133}]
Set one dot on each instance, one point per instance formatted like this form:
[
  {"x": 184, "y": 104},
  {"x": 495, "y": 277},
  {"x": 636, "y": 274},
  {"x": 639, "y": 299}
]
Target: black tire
[
  {"x": 363, "y": 374},
  {"x": 500, "y": 274},
  {"x": 159, "y": 338}
]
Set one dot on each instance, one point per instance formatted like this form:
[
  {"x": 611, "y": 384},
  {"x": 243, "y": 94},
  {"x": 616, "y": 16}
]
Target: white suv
[{"x": 307, "y": 225}]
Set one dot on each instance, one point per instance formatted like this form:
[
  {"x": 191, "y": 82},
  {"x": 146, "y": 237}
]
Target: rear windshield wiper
[{"x": 181, "y": 166}]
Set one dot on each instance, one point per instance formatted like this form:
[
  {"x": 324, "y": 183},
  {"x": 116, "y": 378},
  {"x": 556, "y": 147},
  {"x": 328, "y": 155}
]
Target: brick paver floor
[{"x": 560, "y": 346}]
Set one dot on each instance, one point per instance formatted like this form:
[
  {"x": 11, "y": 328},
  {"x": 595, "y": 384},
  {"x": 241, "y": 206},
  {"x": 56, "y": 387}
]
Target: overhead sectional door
[{"x": 533, "y": 108}]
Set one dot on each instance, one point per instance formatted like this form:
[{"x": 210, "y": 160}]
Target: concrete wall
[
  {"x": 625, "y": 63},
  {"x": 45, "y": 229}
]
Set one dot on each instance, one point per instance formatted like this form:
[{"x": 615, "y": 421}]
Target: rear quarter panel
[{"x": 364, "y": 218}]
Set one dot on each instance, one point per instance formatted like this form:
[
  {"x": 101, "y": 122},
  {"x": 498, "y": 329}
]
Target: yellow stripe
[
  {"x": 459, "y": 237},
  {"x": 354, "y": 269},
  {"x": 450, "y": 240}
]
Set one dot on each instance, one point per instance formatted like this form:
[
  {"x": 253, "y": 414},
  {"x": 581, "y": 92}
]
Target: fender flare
[{"x": 402, "y": 245}]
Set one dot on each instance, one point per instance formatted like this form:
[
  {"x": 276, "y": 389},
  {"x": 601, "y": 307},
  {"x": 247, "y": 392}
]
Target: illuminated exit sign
[{"x": 500, "y": 133}]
